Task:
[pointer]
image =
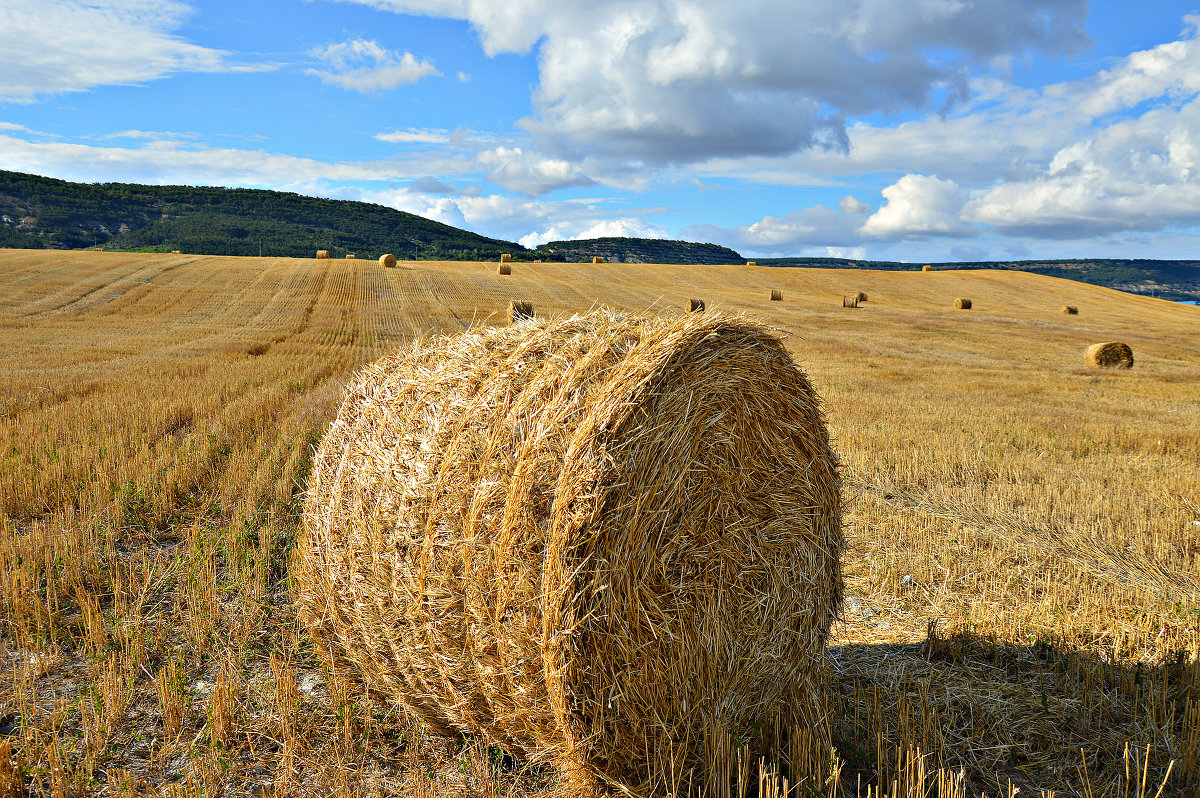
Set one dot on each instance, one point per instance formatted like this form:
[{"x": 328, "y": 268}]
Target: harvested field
[{"x": 1022, "y": 599}]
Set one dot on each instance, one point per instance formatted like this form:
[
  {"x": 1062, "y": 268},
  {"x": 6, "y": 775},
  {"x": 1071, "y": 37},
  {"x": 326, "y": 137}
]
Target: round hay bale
[
  {"x": 850, "y": 301},
  {"x": 176, "y": 252},
  {"x": 505, "y": 257},
  {"x": 505, "y": 268},
  {"x": 322, "y": 254},
  {"x": 751, "y": 263},
  {"x": 926, "y": 268},
  {"x": 962, "y": 303},
  {"x": 387, "y": 261},
  {"x": 598, "y": 259},
  {"x": 1110, "y": 355},
  {"x": 1070, "y": 310},
  {"x": 605, "y": 542},
  {"x": 695, "y": 306},
  {"x": 776, "y": 295},
  {"x": 860, "y": 296},
  {"x": 350, "y": 256},
  {"x": 518, "y": 311}
]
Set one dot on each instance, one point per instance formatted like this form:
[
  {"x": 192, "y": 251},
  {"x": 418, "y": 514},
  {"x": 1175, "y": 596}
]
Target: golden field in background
[{"x": 1023, "y": 561}]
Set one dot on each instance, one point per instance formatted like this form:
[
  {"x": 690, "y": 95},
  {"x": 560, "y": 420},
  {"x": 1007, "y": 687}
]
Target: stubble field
[{"x": 1023, "y": 561}]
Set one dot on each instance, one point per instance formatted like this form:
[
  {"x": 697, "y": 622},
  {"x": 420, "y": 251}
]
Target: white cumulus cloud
[
  {"x": 364, "y": 65},
  {"x": 918, "y": 206}
]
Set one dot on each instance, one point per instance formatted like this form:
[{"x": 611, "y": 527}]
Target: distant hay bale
[
  {"x": 505, "y": 257},
  {"x": 518, "y": 311},
  {"x": 1111, "y": 355},
  {"x": 387, "y": 261},
  {"x": 776, "y": 295},
  {"x": 751, "y": 263},
  {"x": 322, "y": 254},
  {"x": 695, "y": 306},
  {"x": 598, "y": 259},
  {"x": 962, "y": 303},
  {"x": 860, "y": 296},
  {"x": 349, "y": 257},
  {"x": 175, "y": 252},
  {"x": 850, "y": 301},
  {"x": 926, "y": 268},
  {"x": 97, "y": 249},
  {"x": 505, "y": 268},
  {"x": 496, "y": 536},
  {"x": 1070, "y": 310}
]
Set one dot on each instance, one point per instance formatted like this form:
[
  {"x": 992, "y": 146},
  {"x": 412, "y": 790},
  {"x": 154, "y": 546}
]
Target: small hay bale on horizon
[
  {"x": 505, "y": 257},
  {"x": 350, "y": 256},
  {"x": 1070, "y": 310},
  {"x": 926, "y": 268},
  {"x": 322, "y": 254},
  {"x": 849, "y": 301},
  {"x": 598, "y": 259},
  {"x": 776, "y": 295},
  {"x": 176, "y": 252},
  {"x": 504, "y": 268},
  {"x": 751, "y": 263},
  {"x": 1109, "y": 355},
  {"x": 695, "y": 306},
  {"x": 494, "y": 536},
  {"x": 387, "y": 261},
  {"x": 518, "y": 311},
  {"x": 962, "y": 303}
]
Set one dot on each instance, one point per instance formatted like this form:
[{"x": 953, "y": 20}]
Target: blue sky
[{"x": 910, "y": 130}]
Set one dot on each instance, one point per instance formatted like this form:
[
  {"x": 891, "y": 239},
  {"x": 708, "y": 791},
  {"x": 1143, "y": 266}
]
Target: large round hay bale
[
  {"x": 605, "y": 542},
  {"x": 1110, "y": 355},
  {"x": 1070, "y": 310},
  {"x": 962, "y": 303},
  {"x": 387, "y": 261},
  {"x": 504, "y": 268}
]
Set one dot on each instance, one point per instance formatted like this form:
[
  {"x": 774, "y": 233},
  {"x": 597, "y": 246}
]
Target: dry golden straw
[
  {"x": 926, "y": 268},
  {"x": 1110, "y": 355},
  {"x": 776, "y": 295},
  {"x": 850, "y": 301},
  {"x": 518, "y": 311},
  {"x": 962, "y": 303},
  {"x": 1070, "y": 310},
  {"x": 606, "y": 542},
  {"x": 597, "y": 259},
  {"x": 387, "y": 261},
  {"x": 505, "y": 257},
  {"x": 322, "y": 254},
  {"x": 695, "y": 306},
  {"x": 505, "y": 268}
]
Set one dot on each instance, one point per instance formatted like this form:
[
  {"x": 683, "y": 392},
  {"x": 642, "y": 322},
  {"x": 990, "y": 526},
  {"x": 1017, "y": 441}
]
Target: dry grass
[{"x": 157, "y": 419}]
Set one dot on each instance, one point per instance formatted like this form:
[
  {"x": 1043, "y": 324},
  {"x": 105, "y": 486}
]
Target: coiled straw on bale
[
  {"x": 387, "y": 261},
  {"x": 504, "y": 268},
  {"x": 1070, "y": 310},
  {"x": 519, "y": 310},
  {"x": 695, "y": 306},
  {"x": 962, "y": 303},
  {"x": 1110, "y": 355},
  {"x": 605, "y": 542},
  {"x": 776, "y": 295}
]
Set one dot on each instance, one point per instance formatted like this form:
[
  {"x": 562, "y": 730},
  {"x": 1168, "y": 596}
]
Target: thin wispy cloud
[{"x": 365, "y": 66}]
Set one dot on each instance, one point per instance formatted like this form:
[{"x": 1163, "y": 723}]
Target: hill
[
  {"x": 638, "y": 250},
  {"x": 44, "y": 213}
]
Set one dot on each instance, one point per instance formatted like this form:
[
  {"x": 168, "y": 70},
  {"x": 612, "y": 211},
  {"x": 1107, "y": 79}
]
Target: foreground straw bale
[
  {"x": 504, "y": 268},
  {"x": 608, "y": 543},
  {"x": 387, "y": 261},
  {"x": 1110, "y": 355}
]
